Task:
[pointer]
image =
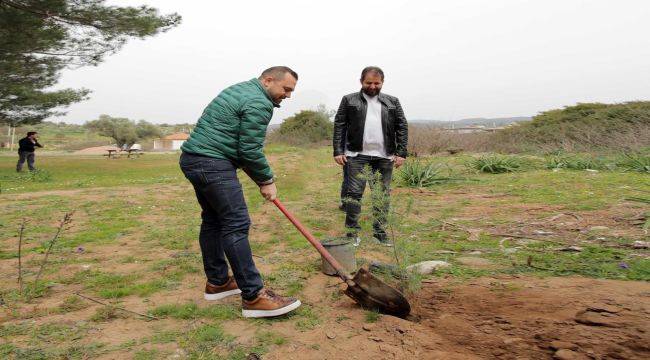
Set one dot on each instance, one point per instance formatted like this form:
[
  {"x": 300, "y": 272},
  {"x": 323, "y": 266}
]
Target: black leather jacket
[{"x": 350, "y": 121}]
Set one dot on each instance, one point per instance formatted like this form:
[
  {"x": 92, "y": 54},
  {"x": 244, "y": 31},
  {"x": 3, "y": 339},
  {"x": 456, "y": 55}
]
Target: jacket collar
[
  {"x": 259, "y": 85},
  {"x": 381, "y": 97}
]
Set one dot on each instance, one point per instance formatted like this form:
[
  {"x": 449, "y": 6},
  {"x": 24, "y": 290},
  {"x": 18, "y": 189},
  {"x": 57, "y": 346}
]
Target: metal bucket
[{"x": 343, "y": 251}]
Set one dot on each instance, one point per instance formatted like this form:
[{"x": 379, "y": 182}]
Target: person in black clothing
[
  {"x": 26, "y": 147},
  {"x": 370, "y": 130}
]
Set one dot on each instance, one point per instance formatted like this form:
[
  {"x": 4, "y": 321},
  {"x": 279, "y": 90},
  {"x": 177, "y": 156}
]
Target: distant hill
[
  {"x": 487, "y": 122},
  {"x": 584, "y": 127}
]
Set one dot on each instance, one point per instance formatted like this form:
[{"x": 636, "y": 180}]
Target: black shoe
[{"x": 382, "y": 239}]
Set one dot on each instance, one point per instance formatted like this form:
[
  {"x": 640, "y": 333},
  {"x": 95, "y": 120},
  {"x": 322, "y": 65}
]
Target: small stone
[
  {"x": 604, "y": 308},
  {"x": 566, "y": 354},
  {"x": 474, "y": 261},
  {"x": 368, "y": 327},
  {"x": 571, "y": 249},
  {"x": 559, "y": 345},
  {"x": 428, "y": 267},
  {"x": 374, "y": 338},
  {"x": 592, "y": 318},
  {"x": 513, "y": 340},
  {"x": 330, "y": 335},
  {"x": 598, "y": 228},
  {"x": 641, "y": 244},
  {"x": 388, "y": 348},
  {"x": 542, "y": 232},
  {"x": 498, "y": 352},
  {"x": 408, "y": 343}
]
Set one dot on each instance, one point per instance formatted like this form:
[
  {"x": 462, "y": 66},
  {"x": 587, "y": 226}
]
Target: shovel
[{"x": 364, "y": 288}]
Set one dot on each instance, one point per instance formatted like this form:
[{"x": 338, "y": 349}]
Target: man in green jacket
[{"x": 230, "y": 135}]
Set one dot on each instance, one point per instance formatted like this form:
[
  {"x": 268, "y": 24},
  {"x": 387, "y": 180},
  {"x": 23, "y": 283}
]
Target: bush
[
  {"x": 305, "y": 127},
  {"x": 575, "y": 162},
  {"x": 635, "y": 162},
  {"x": 496, "y": 164},
  {"x": 419, "y": 174}
]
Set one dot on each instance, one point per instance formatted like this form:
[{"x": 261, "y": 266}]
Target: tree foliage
[
  {"x": 306, "y": 126},
  {"x": 39, "y": 38},
  {"x": 123, "y": 130}
]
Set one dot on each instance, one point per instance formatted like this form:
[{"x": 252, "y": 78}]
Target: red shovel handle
[{"x": 335, "y": 264}]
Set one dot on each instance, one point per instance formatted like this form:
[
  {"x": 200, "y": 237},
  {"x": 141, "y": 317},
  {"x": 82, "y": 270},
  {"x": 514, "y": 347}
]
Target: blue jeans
[
  {"x": 225, "y": 225},
  {"x": 356, "y": 186}
]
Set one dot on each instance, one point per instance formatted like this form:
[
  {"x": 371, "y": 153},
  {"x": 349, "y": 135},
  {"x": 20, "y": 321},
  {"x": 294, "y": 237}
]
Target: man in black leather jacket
[{"x": 370, "y": 130}]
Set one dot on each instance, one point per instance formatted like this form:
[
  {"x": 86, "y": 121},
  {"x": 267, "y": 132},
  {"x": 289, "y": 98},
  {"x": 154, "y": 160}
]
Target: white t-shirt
[{"x": 373, "y": 133}]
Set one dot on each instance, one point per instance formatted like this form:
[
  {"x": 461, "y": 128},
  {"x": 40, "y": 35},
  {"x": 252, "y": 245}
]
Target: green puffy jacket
[{"x": 233, "y": 127}]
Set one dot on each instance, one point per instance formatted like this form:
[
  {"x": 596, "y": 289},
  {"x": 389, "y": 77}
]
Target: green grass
[
  {"x": 75, "y": 172},
  {"x": 138, "y": 221},
  {"x": 372, "y": 316},
  {"x": 113, "y": 286},
  {"x": 193, "y": 311}
]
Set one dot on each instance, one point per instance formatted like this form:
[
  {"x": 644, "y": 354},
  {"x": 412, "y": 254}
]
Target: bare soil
[{"x": 504, "y": 318}]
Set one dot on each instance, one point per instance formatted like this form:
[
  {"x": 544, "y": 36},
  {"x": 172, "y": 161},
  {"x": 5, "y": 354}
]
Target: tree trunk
[{"x": 12, "y": 129}]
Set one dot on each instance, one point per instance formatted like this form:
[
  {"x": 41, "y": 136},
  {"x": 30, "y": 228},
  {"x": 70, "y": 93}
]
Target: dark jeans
[
  {"x": 225, "y": 225},
  {"x": 25, "y": 155},
  {"x": 344, "y": 183},
  {"x": 381, "y": 167}
]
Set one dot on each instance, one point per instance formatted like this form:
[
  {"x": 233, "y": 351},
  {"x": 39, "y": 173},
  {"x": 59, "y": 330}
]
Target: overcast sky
[{"x": 444, "y": 59}]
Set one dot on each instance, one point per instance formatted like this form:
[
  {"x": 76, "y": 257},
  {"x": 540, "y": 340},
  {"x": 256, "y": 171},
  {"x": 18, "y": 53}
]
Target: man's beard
[{"x": 369, "y": 92}]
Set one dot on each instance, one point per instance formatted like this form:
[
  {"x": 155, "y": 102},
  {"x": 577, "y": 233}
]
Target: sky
[{"x": 444, "y": 59}]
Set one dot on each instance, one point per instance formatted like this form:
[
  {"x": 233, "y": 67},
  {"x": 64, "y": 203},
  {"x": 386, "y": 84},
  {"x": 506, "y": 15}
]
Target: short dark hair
[
  {"x": 372, "y": 69},
  {"x": 277, "y": 72},
  {"x": 30, "y": 133}
]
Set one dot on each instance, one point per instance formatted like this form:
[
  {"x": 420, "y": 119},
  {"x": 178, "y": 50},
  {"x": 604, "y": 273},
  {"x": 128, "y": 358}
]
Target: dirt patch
[
  {"x": 505, "y": 318},
  {"x": 535, "y": 318}
]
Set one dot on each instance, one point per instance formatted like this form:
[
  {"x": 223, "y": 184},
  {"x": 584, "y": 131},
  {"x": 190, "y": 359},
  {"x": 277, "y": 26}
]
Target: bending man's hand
[
  {"x": 269, "y": 192},
  {"x": 341, "y": 159}
]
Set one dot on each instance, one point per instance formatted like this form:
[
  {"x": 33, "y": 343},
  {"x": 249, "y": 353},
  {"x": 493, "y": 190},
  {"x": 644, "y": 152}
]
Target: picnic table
[
  {"x": 115, "y": 153},
  {"x": 135, "y": 152},
  {"x": 112, "y": 153}
]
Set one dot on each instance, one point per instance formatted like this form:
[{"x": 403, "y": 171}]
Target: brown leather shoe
[
  {"x": 214, "y": 292},
  {"x": 268, "y": 304}
]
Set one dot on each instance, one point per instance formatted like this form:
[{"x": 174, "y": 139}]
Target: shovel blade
[{"x": 372, "y": 293}]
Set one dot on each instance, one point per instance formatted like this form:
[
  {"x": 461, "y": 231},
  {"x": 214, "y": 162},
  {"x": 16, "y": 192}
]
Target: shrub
[
  {"x": 496, "y": 164},
  {"x": 635, "y": 162},
  {"x": 417, "y": 173},
  {"x": 575, "y": 162},
  {"x": 305, "y": 127}
]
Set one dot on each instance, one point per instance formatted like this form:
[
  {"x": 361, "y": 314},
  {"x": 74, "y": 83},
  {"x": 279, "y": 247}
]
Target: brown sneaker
[
  {"x": 268, "y": 304},
  {"x": 214, "y": 292}
]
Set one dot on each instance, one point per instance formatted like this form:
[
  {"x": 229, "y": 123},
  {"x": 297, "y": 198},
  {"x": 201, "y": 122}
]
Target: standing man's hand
[
  {"x": 269, "y": 192},
  {"x": 399, "y": 161},
  {"x": 341, "y": 159}
]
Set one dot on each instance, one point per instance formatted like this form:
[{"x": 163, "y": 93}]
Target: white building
[{"x": 170, "y": 142}]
